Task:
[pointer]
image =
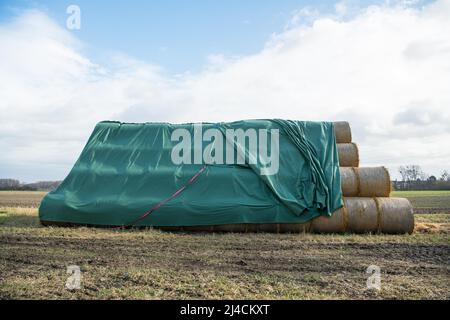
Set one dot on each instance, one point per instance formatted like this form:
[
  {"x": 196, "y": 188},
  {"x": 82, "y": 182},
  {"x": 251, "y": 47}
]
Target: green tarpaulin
[{"x": 290, "y": 174}]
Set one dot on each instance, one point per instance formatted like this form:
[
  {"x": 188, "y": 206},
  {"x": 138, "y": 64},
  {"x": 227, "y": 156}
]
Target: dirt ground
[{"x": 151, "y": 264}]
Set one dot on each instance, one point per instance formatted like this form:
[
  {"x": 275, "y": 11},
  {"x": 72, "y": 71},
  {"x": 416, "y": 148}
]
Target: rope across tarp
[{"x": 159, "y": 205}]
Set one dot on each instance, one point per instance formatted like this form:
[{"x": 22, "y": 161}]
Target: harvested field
[
  {"x": 152, "y": 264},
  {"x": 24, "y": 199}
]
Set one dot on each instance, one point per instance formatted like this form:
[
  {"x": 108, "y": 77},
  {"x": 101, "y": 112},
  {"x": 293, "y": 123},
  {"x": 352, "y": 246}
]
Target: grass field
[
  {"x": 427, "y": 201},
  {"x": 152, "y": 264}
]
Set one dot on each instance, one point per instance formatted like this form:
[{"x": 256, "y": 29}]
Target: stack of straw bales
[
  {"x": 366, "y": 190},
  {"x": 367, "y": 205}
]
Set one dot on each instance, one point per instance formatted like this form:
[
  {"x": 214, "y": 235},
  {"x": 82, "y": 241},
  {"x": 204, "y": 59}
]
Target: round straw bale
[
  {"x": 374, "y": 182},
  {"x": 246, "y": 227},
  {"x": 342, "y": 132},
  {"x": 238, "y": 227},
  {"x": 337, "y": 223},
  {"x": 268, "y": 227},
  {"x": 170, "y": 229},
  {"x": 365, "y": 182},
  {"x": 198, "y": 228},
  {"x": 294, "y": 227},
  {"x": 360, "y": 215},
  {"x": 396, "y": 215},
  {"x": 349, "y": 182},
  {"x": 348, "y": 155}
]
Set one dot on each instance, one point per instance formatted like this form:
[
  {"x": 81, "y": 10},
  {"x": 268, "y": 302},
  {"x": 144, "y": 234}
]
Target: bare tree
[
  {"x": 403, "y": 172},
  {"x": 414, "y": 178},
  {"x": 9, "y": 184},
  {"x": 412, "y": 172},
  {"x": 445, "y": 176},
  {"x": 415, "y": 172}
]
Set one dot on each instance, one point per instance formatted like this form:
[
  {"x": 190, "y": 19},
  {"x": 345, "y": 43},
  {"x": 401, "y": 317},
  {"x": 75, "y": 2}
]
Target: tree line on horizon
[
  {"x": 414, "y": 178},
  {"x": 16, "y": 185}
]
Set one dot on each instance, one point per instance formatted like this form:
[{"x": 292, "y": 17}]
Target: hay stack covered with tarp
[{"x": 126, "y": 176}]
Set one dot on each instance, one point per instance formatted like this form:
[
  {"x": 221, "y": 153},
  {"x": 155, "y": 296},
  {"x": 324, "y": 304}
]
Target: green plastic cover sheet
[{"x": 125, "y": 169}]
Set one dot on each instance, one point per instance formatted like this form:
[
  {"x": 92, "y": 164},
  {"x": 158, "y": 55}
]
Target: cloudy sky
[{"x": 383, "y": 66}]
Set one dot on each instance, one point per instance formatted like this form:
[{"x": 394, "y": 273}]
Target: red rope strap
[{"x": 159, "y": 205}]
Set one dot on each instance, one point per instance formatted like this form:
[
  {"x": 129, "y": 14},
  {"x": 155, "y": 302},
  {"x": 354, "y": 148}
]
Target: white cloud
[{"x": 386, "y": 69}]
